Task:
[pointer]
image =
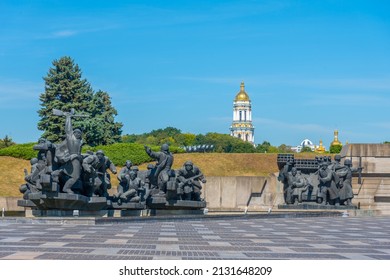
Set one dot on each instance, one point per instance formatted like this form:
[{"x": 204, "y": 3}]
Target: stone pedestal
[
  {"x": 160, "y": 202},
  {"x": 304, "y": 206}
]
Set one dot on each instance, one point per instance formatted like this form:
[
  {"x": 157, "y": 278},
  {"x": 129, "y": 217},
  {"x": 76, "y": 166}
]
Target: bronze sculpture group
[
  {"x": 329, "y": 184},
  {"x": 62, "y": 173}
]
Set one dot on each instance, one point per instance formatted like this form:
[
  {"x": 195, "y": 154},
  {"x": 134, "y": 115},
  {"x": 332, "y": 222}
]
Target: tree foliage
[
  {"x": 335, "y": 149},
  {"x": 66, "y": 89},
  {"x": 263, "y": 147},
  {"x": 306, "y": 149},
  {"x": 6, "y": 142},
  {"x": 173, "y": 136}
]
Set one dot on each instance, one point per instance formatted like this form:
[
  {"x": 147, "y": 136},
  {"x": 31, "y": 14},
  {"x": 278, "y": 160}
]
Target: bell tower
[{"x": 242, "y": 126}]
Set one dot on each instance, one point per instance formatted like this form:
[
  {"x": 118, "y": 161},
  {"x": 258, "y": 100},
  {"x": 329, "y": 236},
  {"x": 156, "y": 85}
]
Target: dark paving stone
[
  {"x": 380, "y": 257},
  {"x": 287, "y": 256},
  {"x": 89, "y": 257}
]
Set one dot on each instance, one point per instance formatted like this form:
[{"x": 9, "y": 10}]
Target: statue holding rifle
[
  {"x": 190, "y": 180},
  {"x": 68, "y": 154}
]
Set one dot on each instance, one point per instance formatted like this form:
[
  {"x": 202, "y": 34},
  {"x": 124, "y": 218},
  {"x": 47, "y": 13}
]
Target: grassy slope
[{"x": 12, "y": 176}]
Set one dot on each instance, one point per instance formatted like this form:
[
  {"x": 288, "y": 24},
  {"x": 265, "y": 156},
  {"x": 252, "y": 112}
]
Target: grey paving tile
[{"x": 290, "y": 238}]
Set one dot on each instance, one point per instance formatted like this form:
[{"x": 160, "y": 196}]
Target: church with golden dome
[{"x": 242, "y": 126}]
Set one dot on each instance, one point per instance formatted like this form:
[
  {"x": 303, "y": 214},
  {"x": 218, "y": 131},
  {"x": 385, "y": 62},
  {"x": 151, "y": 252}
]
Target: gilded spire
[
  {"x": 242, "y": 95},
  {"x": 242, "y": 87}
]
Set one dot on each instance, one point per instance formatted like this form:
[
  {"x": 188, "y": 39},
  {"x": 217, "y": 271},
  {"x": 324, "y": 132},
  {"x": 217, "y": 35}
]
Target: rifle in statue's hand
[
  {"x": 60, "y": 113},
  {"x": 193, "y": 178}
]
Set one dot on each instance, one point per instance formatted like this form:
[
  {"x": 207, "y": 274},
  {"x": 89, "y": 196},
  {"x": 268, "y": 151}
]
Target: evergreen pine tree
[
  {"x": 101, "y": 128},
  {"x": 64, "y": 89}
]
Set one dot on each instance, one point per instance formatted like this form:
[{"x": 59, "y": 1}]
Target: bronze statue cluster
[
  {"x": 62, "y": 168},
  {"x": 330, "y": 184}
]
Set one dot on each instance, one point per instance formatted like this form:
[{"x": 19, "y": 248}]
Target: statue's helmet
[
  {"x": 77, "y": 130},
  {"x": 294, "y": 170},
  {"x": 132, "y": 173},
  {"x": 150, "y": 166},
  {"x": 188, "y": 162},
  {"x": 100, "y": 152},
  {"x": 33, "y": 161},
  {"x": 348, "y": 162},
  {"x": 128, "y": 162},
  {"x": 164, "y": 147},
  {"x": 337, "y": 157}
]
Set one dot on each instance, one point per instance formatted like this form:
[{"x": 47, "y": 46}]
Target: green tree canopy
[
  {"x": 263, "y": 147},
  {"x": 335, "y": 149},
  {"x": 306, "y": 150},
  {"x": 66, "y": 89},
  {"x": 100, "y": 127}
]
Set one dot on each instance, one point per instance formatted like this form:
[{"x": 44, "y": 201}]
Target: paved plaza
[{"x": 222, "y": 238}]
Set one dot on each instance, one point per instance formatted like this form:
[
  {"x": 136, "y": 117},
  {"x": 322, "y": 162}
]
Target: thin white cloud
[
  {"x": 70, "y": 31},
  {"x": 366, "y": 100},
  {"x": 64, "y": 33},
  {"x": 382, "y": 83},
  {"x": 16, "y": 93},
  {"x": 340, "y": 84},
  {"x": 381, "y": 125},
  {"x": 306, "y": 127}
]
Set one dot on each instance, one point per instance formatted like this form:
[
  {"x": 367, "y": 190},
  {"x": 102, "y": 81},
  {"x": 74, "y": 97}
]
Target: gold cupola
[
  {"x": 336, "y": 139},
  {"x": 320, "y": 149},
  {"x": 242, "y": 95}
]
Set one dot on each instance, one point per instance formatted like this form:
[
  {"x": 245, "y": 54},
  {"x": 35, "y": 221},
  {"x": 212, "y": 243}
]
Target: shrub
[
  {"x": 24, "y": 151},
  {"x": 120, "y": 152}
]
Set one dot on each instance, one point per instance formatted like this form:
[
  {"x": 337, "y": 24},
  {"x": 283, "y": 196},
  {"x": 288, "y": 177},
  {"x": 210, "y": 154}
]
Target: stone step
[
  {"x": 383, "y": 192},
  {"x": 382, "y": 205}
]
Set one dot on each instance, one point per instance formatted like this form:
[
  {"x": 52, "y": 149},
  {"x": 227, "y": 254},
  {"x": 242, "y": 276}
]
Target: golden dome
[
  {"x": 242, "y": 95},
  {"x": 320, "y": 148},
  {"x": 336, "y": 139}
]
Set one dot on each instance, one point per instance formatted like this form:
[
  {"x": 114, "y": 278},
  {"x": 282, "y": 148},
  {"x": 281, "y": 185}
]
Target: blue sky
[{"x": 309, "y": 67}]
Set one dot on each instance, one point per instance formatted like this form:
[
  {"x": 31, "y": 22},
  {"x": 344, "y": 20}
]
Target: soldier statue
[
  {"x": 159, "y": 175},
  {"x": 190, "y": 180}
]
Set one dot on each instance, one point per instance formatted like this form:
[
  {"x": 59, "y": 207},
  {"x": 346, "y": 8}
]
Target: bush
[
  {"x": 120, "y": 152},
  {"x": 24, "y": 151}
]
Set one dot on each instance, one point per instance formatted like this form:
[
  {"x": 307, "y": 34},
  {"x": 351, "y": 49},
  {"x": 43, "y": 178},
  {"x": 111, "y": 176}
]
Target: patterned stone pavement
[{"x": 310, "y": 238}]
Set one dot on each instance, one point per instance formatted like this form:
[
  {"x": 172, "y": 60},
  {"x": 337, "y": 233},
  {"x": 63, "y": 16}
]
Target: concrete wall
[
  {"x": 375, "y": 158},
  {"x": 10, "y": 204},
  {"x": 238, "y": 192}
]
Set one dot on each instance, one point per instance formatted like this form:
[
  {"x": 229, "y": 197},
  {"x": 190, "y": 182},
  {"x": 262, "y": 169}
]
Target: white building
[
  {"x": 242, "y": 117},
  {"x": 304, "y": 143}
]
